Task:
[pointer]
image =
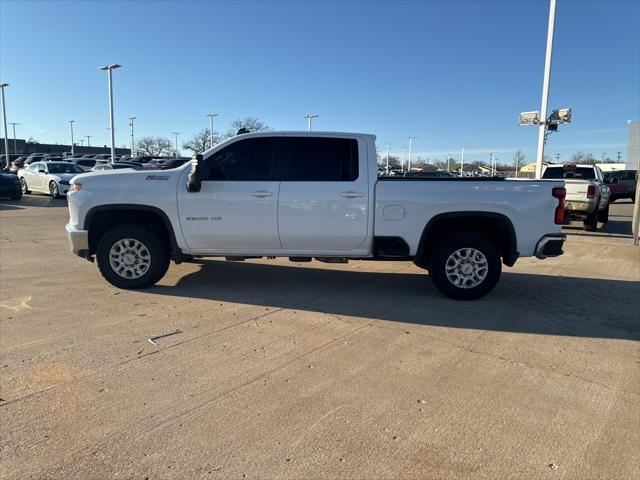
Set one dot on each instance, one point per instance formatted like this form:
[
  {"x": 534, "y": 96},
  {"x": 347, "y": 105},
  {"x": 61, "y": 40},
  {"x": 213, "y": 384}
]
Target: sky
[{"x": 449, "y": 73}]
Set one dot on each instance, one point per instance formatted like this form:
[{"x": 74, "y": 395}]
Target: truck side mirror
[{"x": 194, "y": 180}]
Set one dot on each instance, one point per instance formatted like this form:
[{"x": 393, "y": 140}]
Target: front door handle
[
  {"x": 261, "y": 194},
  {"x": 352, "y": 194}
]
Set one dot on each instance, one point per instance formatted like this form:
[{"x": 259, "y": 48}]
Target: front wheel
[
  {"x": 465, "y": 266},
  {"x": 54, "y": 192},
  {"x": 23, "y": 187},
  {"x": 131, "y": 256}
]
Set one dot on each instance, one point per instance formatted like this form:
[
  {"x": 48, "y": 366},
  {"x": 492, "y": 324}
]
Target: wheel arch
[
  {"x": 102, "y": 218},
  {"x": 498, "y": 228}
]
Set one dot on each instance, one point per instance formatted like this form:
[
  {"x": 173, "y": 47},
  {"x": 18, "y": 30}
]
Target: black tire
[
  {"x": 17, "y": 195},
  {"x": 157, "y": 250},
  {"x": 590, "y": 223},
  {"x": 437, "y": 265},
  {"x": 603, "y": 215},
  {"x": 23, "y": 186},
  {"x": 54, "y": 192}
]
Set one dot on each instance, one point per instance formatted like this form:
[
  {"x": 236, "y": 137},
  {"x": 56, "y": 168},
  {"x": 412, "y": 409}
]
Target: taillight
[
  {"x": 560, "y": 193},
  {"x": 591, "y": 191}
]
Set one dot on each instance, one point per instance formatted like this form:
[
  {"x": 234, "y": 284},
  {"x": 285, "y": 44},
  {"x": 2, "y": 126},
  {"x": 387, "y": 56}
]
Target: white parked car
[
  {"x": 48, "y": 177},
  {"x": 307, "y": 195}
]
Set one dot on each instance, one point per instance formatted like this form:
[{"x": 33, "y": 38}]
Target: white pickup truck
[
  {"x": 587, "y": 196},
  {"x": 310, "y": 195}
]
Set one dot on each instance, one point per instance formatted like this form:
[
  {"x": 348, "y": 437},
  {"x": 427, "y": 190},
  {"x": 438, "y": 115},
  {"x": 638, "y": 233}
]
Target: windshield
[
  {"x": 64, "y": 168},
  {"x": 579, "y": 173}
]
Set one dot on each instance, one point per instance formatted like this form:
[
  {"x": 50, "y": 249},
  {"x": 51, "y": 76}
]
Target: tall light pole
[
  {"x": 176, "y": 134},
  {"x": 88, "y": 138},
  {"x": 6, "y": 134},
  {"x": 71, "y": 122},
  {"x": 82, "y": 142},
  {"x": 133, "y": 145},
  {"x": 110, "y": 69},
  {"x": 542, "y": 132},
  {"x": 387, "y": 168},
  {"x": 462, "y": 161},
  {"x": 491, "y": 163},
  {"x": 619, "y": 157},
  {"x": 402, "y": 161},
  {"x": 15, "y": 149},
  {"x": 448, "y": 161},
  {"x": 211, "y": 115},
  {"x": 309, "y": 116},
  {"x": 410, "y": 147}
]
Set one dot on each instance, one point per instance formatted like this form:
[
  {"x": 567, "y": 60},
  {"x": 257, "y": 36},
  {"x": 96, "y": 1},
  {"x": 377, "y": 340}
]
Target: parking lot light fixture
[
  {"x": 71, "y": 122},
  {"x": 410, "y": 147},
  {"x": 109, "y": 69},
  {"x": 131, "y": 119},
  {"x": 211, "y": 116},
  {"x": 88, "y": 138},
  {"x": 13, "y": 124},
  {"x": 176, "y": 134},
  {"x": 462, "y": 161},
  {"x": 6, "y": 133},
  {"x": 309, "y": 117}
]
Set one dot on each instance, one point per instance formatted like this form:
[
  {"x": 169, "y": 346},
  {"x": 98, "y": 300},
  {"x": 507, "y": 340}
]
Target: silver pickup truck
[{"x": 587, "y": 194}]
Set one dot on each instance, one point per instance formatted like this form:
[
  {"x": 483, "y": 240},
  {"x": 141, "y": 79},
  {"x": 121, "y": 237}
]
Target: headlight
[{"x": 63, "y": 182}]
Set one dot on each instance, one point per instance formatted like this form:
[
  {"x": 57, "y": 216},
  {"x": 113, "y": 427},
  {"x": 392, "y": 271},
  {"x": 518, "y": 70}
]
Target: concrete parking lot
[{"x": 282, "y": 370}]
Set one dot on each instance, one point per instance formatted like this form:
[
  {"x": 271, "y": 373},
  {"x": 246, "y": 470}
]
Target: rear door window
[{"x": 317, "y": 159}]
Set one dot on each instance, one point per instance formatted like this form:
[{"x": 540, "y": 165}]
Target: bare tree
[
  {"x": 251, "y": 124},
  {"x": 154, "y": 146},
  {"x": 201, "y": 141},
  {"x": 518, "y": 158},
  {"x": 580, "y": 157}
]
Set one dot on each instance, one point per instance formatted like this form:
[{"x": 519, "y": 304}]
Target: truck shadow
[{"x": 522, "y": 303}]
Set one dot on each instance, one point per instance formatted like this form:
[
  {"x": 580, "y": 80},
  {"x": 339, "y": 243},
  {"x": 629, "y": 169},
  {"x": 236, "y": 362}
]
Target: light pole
[
  {"x": 603, "y": 154},
  {"x": 211, "y": 115},
  {"x": 15, "y": 149},
  {"x": 6, "y": 134},
  {"x": 462, "y": 161},
  {"x": 557, "y": 158},
  {"x": 131, "y": 119},
  {"x": 545, "y": 89},
  {"x": 387, "y": 158},
  {"x": 448, "y": 161},
  {"x": 71, "y": 122},
  {"x": 82, "y": 142},
  {"x": 110, "y": 69},
  {"x": 619, "y": 157},
  {"x": 176, "y": 134},
  {"x": 88, "y": 138},
  {"x": 410, "y": 147},
  {"x": 402, "y": 161},
  {"x": 309, "y": 116}
]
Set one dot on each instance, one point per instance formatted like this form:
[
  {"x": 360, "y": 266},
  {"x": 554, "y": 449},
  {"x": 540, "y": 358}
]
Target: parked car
[
  {"x": 48, "y": 177},
  {"x": 114, "y": 166},
  {"x": 17, "y": 164},
  {"x": 10, "y": 186},
  {"x": 622, "y": 184},
  {"x": 86, "y": 163},
  {"x": 34, "y": 157},
  {"x": 170, "y": 163},
  {"x": 311, "y": 195},
  {"x": 587, "y": 194}
]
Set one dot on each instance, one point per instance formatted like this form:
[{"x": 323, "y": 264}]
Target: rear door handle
[
  {"x": 352, "y": 194},
  {"x": 261, "y": 194}
]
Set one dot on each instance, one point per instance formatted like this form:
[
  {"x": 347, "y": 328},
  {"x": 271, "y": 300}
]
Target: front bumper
[
  {"x": 78, "y": 241},
  {"x": 550, "y": 245}
]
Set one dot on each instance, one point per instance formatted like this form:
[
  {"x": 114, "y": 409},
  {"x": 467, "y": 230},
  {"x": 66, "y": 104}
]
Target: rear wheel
[
  {"x": 465, "y": 266},
  {"x": 23, "y": 186},
  {"x": 590, "y": 223},
  {"x": 131, "y": 256},
  {"x": 603, "y": 215},
  {"x": 17, "y": 195}
]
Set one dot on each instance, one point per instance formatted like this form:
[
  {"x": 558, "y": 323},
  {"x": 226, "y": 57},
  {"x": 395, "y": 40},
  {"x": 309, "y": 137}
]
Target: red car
[{"x": 622, "y": 184}]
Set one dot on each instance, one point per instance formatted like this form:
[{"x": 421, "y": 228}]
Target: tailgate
[{"x": 576, "y": 190}]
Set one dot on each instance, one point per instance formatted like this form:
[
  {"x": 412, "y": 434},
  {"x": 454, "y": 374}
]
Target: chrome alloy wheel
[
  {"x": 130, "y": 258},
  {"x": 466, "y": 268}
]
